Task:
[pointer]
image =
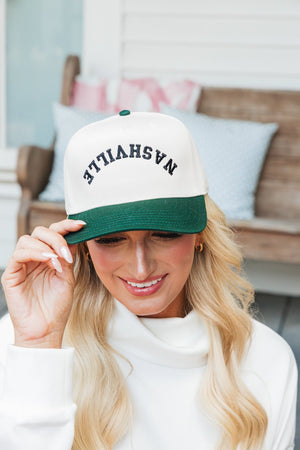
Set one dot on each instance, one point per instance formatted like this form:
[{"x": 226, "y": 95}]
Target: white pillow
[
  {"x": 232, "y": 152},
  {"x": 67, "y": 120}
]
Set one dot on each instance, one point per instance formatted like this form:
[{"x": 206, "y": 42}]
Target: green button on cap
[{"x": 125, "y": 112}]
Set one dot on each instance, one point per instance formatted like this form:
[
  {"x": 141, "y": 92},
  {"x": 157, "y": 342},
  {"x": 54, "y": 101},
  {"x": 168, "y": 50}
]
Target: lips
[{"x": 144, "y": 288}]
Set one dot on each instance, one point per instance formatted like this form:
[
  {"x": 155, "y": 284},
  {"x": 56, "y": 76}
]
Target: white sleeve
[
  {"x": 271, "y": 375},
  {"x": 36, "y": 407},
  {"x": 284, "y": 436}
]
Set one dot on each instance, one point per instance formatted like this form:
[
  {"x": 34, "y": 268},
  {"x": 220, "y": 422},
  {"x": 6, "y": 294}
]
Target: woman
[{"x": 142, "y": 286}]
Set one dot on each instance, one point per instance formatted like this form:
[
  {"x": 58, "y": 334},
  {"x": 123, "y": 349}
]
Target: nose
[{"x": 142, "y": 262}]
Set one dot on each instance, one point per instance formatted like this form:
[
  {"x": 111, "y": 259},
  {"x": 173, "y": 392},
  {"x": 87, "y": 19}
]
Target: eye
[
  {"x": 106, "y": 240},
  {"x": 166, "y": 235}
]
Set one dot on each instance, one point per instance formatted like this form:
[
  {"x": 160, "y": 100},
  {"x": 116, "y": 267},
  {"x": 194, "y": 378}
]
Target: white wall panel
[
  {"x": 214, "y": 64},
  {"x": 252, "y": 43},
  {"x": 276, "y": 33},
  {"x": 8, "y": 227},
  {"x": 2, "y": 74},
  {"x": 102, "y": 38},
  {"x": 212, "y": 58},
  {"x": 9, "y": 204},
  {"x": 215, "y": 7}
]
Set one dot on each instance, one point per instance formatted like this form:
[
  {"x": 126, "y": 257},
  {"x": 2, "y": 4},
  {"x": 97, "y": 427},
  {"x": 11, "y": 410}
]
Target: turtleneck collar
[{"x": 175, "y": 342}]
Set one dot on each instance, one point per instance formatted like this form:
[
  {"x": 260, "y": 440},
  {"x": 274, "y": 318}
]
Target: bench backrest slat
[{"x": 278, "y": 193}]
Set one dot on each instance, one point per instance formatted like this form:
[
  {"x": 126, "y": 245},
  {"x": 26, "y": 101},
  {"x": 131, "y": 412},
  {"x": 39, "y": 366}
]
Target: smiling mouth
[{"x": 144, "y": 285}]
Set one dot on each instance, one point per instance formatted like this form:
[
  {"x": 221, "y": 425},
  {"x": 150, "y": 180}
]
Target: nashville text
[{"x": 135, "y": 151}]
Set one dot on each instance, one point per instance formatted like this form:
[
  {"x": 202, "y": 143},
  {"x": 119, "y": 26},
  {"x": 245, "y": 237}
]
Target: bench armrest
[
  {"x": 71, "y": 70},
  {"x": 34, "y": 166}
]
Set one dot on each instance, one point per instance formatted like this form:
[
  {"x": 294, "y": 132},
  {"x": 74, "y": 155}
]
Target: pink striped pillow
[
  {"x": 142, "y": 94},
  {"x": 89, "y": 96},
  {"x": 182, "y": 94}
]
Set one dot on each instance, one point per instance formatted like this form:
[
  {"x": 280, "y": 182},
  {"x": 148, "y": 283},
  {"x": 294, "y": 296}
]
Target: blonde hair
[{"x": 216, "y": 290}]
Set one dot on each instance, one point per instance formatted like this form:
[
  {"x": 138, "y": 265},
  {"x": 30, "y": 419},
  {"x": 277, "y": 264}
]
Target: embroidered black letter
[
  {"x": 147, "y": 152},
  {"x": 159, "y": 156},
  {"x": 169, "y": 166},
  {"x": 88, "y": 176},
  {"x": 111, "y": 158},
  {"x": 135, "y": 150},
  {"x": 93, "y": 164},
  {"x": 101, "y": 155},
  {"x": 121, "y": 152}
]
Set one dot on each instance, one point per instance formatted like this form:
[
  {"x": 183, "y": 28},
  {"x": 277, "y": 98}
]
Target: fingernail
[
  {"x": 66, "y": 254},
  {"x": 49, "y": 255},
  {"x": 56, "y": 264},
  {"x": 81, "y": 222}
]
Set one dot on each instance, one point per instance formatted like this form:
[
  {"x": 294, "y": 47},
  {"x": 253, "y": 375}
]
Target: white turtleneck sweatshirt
[{"x": 169, "y": 358}]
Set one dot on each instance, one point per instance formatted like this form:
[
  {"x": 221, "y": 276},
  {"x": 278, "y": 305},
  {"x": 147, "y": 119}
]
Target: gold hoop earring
[
  {"x": 199, "y": 248},
  {"x": 87, "y": 256}
]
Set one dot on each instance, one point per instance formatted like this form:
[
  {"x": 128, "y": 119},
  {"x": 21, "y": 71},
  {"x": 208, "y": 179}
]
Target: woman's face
[{"x": 145, "y": 270}]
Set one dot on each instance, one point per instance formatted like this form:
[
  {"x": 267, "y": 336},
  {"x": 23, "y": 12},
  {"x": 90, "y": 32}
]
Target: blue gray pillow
[
  {"x": 232, "y": 152},
  {"x": 67, "y": 120}
]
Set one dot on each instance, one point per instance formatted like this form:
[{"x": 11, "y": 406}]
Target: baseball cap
[{"x": 134, "y": 171}]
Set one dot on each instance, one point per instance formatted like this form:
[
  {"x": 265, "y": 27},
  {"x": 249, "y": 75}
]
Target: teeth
[{"x": 143, "y": 285}]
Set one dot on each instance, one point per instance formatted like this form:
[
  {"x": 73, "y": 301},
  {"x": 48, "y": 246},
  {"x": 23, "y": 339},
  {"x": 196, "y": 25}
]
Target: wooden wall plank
[
  {"x": 278, "y": 199},
  {"x": 284, "y": 169},
  {"x": 286, "y": 146},
  {"x": 247, "y": 99},
  {"x": 279, "y": 184},
  {"x": 269, "y": 246},
  {"x": 281, "y": 107}
]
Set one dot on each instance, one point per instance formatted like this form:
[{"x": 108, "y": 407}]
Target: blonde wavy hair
[{"x": 216, "y": 290}]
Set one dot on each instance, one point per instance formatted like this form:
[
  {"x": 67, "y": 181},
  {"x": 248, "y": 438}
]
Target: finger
[
  {"x": 22, "y": 256},
  {"x": 66, "y": 226},
  {"x": 33, "y": 250},
  {"x": 29, "y": 243},
  {"x": 54, "y": 240}
]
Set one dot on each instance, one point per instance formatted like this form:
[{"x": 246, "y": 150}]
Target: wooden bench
[{"x": 274, "y": 233}]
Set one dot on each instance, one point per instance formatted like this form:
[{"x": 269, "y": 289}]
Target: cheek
[
  {"x": 182, "y": 254},
  {"x": 105, "y": 261}
]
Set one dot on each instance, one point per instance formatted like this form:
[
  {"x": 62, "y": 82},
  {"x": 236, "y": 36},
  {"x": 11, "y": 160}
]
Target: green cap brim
[{"x": 180, "y": 215}]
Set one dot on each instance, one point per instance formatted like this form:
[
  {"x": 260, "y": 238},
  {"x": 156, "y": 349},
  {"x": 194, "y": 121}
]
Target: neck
[{"x": 172, "y": 310}]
